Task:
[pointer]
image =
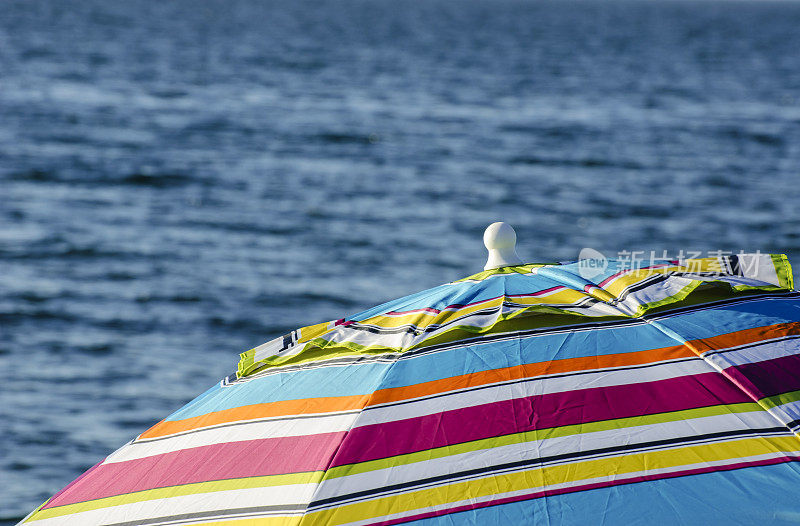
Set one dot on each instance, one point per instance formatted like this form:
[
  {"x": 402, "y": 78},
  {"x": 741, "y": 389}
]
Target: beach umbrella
[{"x": 601, "y": 391}]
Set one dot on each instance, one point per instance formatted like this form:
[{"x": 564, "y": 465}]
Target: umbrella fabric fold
[{"x": 529, "y": 394}]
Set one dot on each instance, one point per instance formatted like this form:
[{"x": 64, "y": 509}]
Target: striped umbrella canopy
[{"x": 526, "y": 394}]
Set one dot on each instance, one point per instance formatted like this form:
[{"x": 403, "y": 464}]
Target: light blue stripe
[
  {"x": 753, "y": 496},
  {"x": 314, "y": 383},
  {"x": 731, "y": 318}
]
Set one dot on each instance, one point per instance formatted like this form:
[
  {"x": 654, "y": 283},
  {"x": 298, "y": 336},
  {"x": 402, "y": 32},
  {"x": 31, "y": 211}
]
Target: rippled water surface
[{"x": 181, "y": 181}]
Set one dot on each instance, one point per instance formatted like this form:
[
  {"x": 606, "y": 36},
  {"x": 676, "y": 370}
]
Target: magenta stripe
[
  {"x": 767, "y": 378},
  {"x": 536, "y": 412},
  {"x": 249, "y": 458},
  {"x": 585, "y": 487}
]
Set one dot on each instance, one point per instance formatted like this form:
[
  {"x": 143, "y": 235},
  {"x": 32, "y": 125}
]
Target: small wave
[
  {"x": 35, "y": 175},
  {"x": 66, "y": 138},
  {"x": 720, "y": 181},
  {"x": 590, "y": 162},
  {"x": 308, "y": 298},
  {"x": 135, "y": 423},
  {"x": 766, "y": 139},
  {"x": 341, "y": 301},
  {"x": 166, "y": 180},
  {"x": 14, "y": 318},
  {"x": 175, "y": 298},
  {"x": 552, "y": 132},
  {"x": 346, "y": 138},
  {"x": 66, "y": 251},
  {"x": 97, "y": 349},
  {"x": 243, "y": 325},
  {"x": 302, "y": 65},
  {"x": 37, "y": 53},
  {"x": 155, "y": 180},
  {"x": 213, "y": 124},
  {"x": 253, "y": 228},
  {"x": 31, "y": 297},
  {"x": 116, "y": 275},
  {"x": 169, "y": 94}
]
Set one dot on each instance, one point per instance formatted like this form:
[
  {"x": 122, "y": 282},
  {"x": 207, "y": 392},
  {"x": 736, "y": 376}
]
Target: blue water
[{"x": 181, "y": 181}]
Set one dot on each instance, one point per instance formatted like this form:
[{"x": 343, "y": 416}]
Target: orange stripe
[
  {"x": 250, "y": 412},
  {"x": 731, "y": 339},
  {"x": 344, "y": 403},
  {"x": 528, "y": 370}
]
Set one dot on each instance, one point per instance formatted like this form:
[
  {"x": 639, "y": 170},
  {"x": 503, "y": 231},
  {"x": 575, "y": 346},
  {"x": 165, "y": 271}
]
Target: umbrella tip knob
[{"x": 501, "y": 242}]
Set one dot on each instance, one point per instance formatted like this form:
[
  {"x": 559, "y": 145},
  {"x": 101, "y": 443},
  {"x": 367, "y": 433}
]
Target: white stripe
[
  {"x": 788, "y": 412},
  {"x": 767, "y": 350},
  {"x": 656, "y": 292},
  {"x": 248, "y": 431},
  {"x": 759, "y": 267},
  {"x": 267, "y": 349},
  {"x": 598, "y": 309},
  {"x": 536, "y": 386},
  {"x": 521, "y": 451},
  {"x": 746, "y": 281},
  {"x": 294, "y": 494}
]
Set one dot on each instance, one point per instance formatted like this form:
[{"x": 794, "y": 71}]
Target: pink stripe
[
  {"x": 612, "y": 277},
  {"x": 403, "y": 312},
  {"x": 536, "y": 412},
  {"x": 538, "y": 293},
  {"x": 585, "y": 487},
  {"x": 250, "y": 458},
  {"x": 71, "y": 484},
  {"x": 454, "y": 306},
  {"x": 767, "y": 378},
  {"x": 627, "y": 270}
]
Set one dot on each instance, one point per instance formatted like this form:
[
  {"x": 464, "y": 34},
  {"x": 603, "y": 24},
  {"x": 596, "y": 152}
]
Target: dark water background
[{"x": 183, "y": 180}]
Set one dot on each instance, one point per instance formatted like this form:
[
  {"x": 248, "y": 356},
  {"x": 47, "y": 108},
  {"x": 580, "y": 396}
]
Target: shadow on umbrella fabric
[{"x": 527, "y": 394}]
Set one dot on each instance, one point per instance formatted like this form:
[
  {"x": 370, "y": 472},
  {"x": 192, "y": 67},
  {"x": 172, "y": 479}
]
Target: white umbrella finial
[{"x": 501, "y": 242}]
